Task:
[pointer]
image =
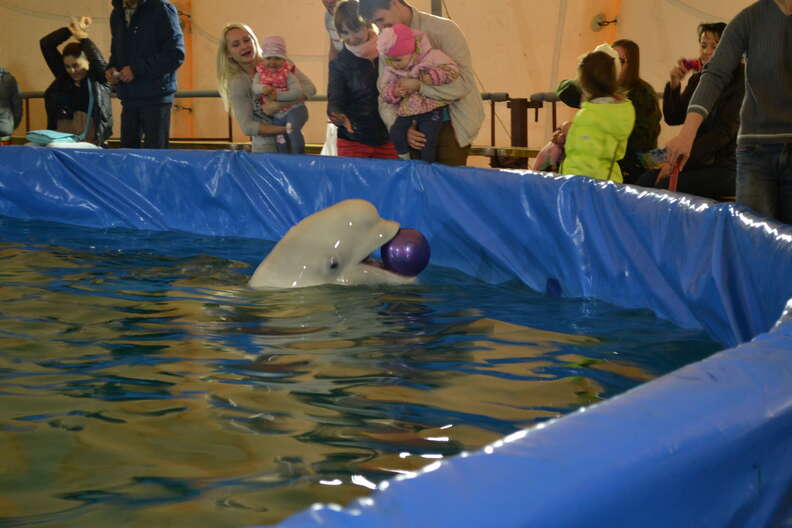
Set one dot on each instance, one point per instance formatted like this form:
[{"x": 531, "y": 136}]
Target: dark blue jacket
[
  {"x": 352, "y": 90},
  {"x": 152, "y": 45}
]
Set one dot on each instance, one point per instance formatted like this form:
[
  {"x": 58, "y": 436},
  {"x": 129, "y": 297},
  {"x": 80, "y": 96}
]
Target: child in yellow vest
[{"x": 598, "y": 137}]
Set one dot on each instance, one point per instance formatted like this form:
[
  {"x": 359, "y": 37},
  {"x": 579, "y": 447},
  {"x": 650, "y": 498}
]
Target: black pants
[
  {"x": 709, "y": 182},
  {"x": 151, "y": 122}
]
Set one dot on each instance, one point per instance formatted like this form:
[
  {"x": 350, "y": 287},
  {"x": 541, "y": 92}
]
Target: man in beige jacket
[{"x": 466, "y": 110}]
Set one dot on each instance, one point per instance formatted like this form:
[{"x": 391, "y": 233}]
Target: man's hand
[
  {"x": 678, "y": 150},
  {"x": 341, "y": 120},
  {"x": 127, "y": 75},
  {"x": 415, "y": 138}
]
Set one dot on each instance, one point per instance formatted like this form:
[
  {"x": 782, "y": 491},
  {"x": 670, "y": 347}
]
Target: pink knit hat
[
  {"x": 396, "y": 41},
  {"x": 273, "y": 46}
]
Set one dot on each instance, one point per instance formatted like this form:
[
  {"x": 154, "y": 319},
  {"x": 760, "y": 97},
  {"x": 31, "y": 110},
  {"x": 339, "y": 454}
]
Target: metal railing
[{"x": 519, "y": 119}]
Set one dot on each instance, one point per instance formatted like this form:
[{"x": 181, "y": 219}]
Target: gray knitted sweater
[
  {"x": 10, "y": 104},
  {"x": 763, "y": 33}
]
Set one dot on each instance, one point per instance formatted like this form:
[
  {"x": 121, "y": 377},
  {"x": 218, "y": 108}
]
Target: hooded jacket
[
  {"x": 427, "y": 60},
  {"x": 152, "y": 45},
  {"x": 10, "y": 103},
  {"x": 57, "y": 104},
  {"x": 598, "y": 139}
]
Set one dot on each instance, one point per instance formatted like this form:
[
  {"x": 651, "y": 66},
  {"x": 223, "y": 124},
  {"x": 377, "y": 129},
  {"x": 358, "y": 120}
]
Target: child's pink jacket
[{"x": 429, "y": 60}]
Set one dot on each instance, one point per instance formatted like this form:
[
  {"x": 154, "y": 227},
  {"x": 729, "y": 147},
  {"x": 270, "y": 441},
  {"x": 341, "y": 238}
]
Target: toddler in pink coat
[{"x": 408, "y": 54}]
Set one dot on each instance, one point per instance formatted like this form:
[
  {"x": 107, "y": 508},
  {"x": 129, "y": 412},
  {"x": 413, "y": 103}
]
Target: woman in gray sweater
[
  {"x": 10, "y": 105},
  {"x": 237, "y": 56}
]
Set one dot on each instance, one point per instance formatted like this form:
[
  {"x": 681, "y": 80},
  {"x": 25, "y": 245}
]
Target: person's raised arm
[
  {"x": 79, "y": 29},
  {"x": 49, "y": 48}
]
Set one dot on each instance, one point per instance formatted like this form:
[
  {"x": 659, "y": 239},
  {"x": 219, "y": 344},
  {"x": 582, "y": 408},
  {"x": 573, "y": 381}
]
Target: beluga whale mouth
[{"x": 331, "y": 246}]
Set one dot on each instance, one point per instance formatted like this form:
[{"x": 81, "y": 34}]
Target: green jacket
[
  {"x": 597, "y": 140},
  {"x": 647, "y": 111}
]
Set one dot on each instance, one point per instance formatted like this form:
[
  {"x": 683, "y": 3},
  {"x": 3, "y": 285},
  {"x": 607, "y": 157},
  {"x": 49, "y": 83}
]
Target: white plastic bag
[{"x": 331, "y": 136}]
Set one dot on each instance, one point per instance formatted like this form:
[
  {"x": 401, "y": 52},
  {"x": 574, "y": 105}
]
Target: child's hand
[
  {"x": 560, "y": 134},
  {"x": 266, "y": 90},
  {"x": 407, "y": 86}
]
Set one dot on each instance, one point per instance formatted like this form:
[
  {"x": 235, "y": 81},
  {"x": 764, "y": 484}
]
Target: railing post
[
  {"x": 492, "y": 122},
  {"x": 519, "y": 122}
]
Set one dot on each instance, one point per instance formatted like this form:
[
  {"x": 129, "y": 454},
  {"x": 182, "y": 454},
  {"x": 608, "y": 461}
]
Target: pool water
[{"x": 142, "y": 382}]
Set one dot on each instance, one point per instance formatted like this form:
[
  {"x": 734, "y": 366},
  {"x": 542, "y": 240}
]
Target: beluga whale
[{"x": 331, "y": 246}]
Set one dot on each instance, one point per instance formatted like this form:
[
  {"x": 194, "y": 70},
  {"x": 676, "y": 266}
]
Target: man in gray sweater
[
  {"x": 10, "y": 105},
  {"x": 763, "y": 33}
]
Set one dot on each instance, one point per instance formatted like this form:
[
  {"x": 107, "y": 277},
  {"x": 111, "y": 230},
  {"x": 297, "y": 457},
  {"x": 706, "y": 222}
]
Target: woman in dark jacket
[
  {"x": 352, "y": 96},
  {"x": 66, "y": 100},
  {"x": 711, "y": 170},
  {"x": 647, "y": 110}
]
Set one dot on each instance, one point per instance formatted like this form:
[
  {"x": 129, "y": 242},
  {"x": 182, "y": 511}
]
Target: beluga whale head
[{"x": 331, "y": 246}]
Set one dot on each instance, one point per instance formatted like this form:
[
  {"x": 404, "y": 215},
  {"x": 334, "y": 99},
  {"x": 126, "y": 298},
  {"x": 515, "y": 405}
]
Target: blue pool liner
[{"x": 707, "y": 445}]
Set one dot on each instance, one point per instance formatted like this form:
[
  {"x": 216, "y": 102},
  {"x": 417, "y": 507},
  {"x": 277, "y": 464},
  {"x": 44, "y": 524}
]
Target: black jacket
[
  {"x": 716, "y": 139},
  {"x": 152, "y": 45},
  {"x": 352, "y": 90},
  {"x": 58, "y": 106}
]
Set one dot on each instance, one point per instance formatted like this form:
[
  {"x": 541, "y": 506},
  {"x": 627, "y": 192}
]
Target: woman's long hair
[
  {"x": 631, "y": 72},
  {"x": 228, "y": 68}
]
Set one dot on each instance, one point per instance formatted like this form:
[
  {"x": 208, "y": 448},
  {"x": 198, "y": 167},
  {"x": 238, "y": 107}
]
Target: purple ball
[{"x": 407, "y": 253}]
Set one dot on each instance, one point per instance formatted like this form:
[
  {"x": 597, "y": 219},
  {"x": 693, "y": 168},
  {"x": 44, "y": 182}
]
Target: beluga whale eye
[{"x": 333, "y": 263}]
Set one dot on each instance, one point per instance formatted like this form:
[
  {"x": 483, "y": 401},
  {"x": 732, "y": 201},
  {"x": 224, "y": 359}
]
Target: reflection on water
[{"x": 141, "y": 382}]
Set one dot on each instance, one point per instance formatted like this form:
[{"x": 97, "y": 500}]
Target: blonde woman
[{"x": 237, "y": 56}]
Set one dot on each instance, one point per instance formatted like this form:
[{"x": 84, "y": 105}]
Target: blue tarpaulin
[{"x": 716, "y": 452}]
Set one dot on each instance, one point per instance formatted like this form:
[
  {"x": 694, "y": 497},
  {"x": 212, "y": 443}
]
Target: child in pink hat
[
  {"x": 408, "y": 54},
  {"x": 275, "y": 81}
]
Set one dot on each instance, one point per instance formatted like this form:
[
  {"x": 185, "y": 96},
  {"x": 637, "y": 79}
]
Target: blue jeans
[
  {"x": 764, "y": 179},
  {"x": 297, "y": 116}
]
